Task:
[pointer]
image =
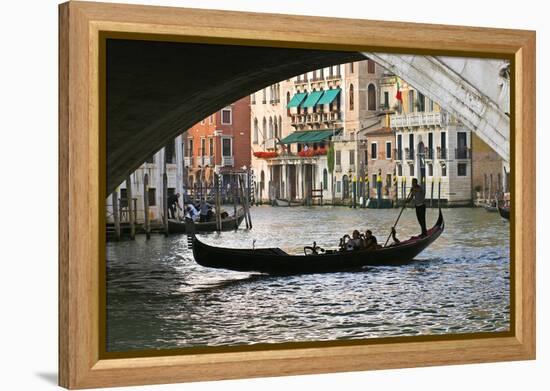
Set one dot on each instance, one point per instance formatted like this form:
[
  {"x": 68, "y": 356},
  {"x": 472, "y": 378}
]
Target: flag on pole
[{"x": 398, "y": 95}]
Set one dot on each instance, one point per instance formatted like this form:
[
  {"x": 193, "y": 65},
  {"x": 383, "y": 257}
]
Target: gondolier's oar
[{"x": 398, "y": 217}]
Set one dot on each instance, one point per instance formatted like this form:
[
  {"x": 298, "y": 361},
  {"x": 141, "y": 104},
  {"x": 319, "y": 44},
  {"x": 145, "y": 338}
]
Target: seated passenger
[
  {"x": 354, "y": 243},
  {"x": 370, "y": 242},
  {"x": 191, "y": 212}
]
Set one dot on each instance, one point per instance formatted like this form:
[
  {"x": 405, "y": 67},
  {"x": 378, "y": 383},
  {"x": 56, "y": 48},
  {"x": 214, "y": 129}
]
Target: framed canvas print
[{"x": 246, "y": 195}]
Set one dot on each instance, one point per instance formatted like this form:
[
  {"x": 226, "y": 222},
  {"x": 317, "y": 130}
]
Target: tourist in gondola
[
  {"x": 191, "y": 212},
  {"x": 351, "y": 243},
  {"x": 417, "y": 193},
  {"x": 369, "y": 241}
]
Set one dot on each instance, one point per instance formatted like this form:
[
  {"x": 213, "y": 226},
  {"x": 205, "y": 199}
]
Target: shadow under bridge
[{"x": 156, "y": 90}]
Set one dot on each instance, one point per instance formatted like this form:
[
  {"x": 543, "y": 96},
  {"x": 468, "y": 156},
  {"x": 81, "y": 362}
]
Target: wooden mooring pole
[
  {"x": 116, "y": 214},
  {"x": 234, "y": 192},
  {"x": 130, "y": 200},
  {"x": 439, "y": 194},
  {"x": 396, "y": 188},
  {"x": 218, "y": 202},
  {"x": 244, "y": 202},
  {"x": 165, "y": 202},
  {"x": 146, "y": 225},
  {"x": 432, "y": 196},
  {"x": 247, "y": 200},
  {"x": 404, "y": 190}
]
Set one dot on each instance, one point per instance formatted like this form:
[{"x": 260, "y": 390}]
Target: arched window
[
  {"x": 256, "y": 131},
  {"x": 264, "y": 96},
  {"x": 372, "y": 96},
  {"x": 351, "y": 100},
  {"x": 275, "y": 128},
  {"x": 280, "y": 127},
  {"x": 336, "y": 103},
  {"x": 370, "y": 66},
  {"x": 262, "y": 180},
  {"x": 325, "y": 179},
  {"x": 264, "y": 129},
  {"x": 270, "y": 128}
]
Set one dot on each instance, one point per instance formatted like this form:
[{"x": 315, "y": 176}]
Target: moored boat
[
  {"x": 490, "y": 208},
  {"x": 504, "y": 212},
  {"x": 282, "y": 202},
  {"x": 228, "y": 224},
  {"x": 276, "y": 261}
]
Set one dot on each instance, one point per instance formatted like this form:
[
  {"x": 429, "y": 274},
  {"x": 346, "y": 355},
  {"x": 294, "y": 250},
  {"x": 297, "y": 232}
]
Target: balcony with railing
[
  {"x": 429, "y": 153},
  {"x": 316, "y": 117},
  {"x": 442, "y": 153},
  {"x": 411, "y": 120},
  {"x": 228, "y": 161},
  {"x": 409, "y": 153},
  {"x": 188, "y": 161},
  {"x": 398, "y": 153},
  {"x": 205, "y": 161},
  {"x": 463, "y": 153}
]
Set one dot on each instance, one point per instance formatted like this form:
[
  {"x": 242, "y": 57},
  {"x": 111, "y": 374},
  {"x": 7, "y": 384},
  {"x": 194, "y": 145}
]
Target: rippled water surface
[{"x": 158, "y": 297}]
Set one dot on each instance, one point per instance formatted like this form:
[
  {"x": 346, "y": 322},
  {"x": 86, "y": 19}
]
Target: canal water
[{"x": 159, "y": 298}]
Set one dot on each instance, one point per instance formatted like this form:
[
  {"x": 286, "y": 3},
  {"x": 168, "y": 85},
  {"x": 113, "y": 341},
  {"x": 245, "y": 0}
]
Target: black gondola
[
  {"x": 228, "y": 224},
  {"x": 504, "y": 212},
  {"x": 276, "y": 261}
]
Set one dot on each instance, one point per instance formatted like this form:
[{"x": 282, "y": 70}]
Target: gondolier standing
[{"x": 417, "y": 193}]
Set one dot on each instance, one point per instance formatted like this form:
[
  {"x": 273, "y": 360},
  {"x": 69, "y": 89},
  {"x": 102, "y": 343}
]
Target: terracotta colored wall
[
  {"x": 240, "y": 132},
  {"x": 386, "y": 165},
  {"x": 196, "y": 133}
]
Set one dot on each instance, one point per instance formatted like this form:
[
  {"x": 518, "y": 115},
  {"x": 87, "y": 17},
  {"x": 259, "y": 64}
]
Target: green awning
[
  {"x": 329, "y": 96},
  {"x": 296, "y": 100},
  {"x": 312, "y": 98},
  {"x": 309, "y": 136}
]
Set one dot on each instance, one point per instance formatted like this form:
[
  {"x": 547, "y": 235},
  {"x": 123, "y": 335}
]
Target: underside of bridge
[{"x": 157, "y": 90}]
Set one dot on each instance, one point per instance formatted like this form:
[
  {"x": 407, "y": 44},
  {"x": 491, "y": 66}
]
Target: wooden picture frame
[{"x": 82, "y": 167}]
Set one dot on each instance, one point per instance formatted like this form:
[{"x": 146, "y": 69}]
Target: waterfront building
[
  {"x": 269, "y": 124},
  {"x": 219, "y": 144},
  {"x": 362, "y": 113},
  {"x": 381, "y": 163},
  {"x": 153, "y": 168},
  {"x": 324, "y": 108},
  {"x": 490, "y": 177},
  {"x": 433, "y": 147},
  {"x": 293, "y": 165}
]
